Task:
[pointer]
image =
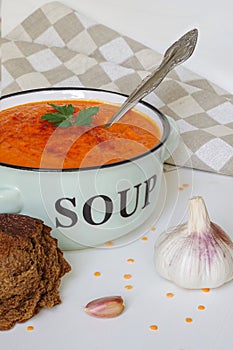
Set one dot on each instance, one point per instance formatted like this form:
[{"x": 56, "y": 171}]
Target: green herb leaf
[
  {"x": 64, "y": 118},
  {"x": 53, "y": 117},
  {"x": 65, "y": 110},
  {"x": 65, "y": 124},
  {"x": 84, "y": 117}
]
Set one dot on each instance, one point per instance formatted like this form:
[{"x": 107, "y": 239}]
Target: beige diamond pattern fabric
[{"x": 57, "y": 46}]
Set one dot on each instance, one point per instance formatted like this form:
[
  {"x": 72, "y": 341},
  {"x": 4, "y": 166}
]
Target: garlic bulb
[{"x": 196, "y": 254}]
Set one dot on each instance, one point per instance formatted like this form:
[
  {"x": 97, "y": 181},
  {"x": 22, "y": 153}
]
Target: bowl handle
[
  {"x": 172, "y": 141},
  {"x": 10, "y": 200}
]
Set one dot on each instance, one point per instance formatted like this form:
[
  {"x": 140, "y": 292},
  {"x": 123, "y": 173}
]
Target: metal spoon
[{"x": 176, "y": 54}]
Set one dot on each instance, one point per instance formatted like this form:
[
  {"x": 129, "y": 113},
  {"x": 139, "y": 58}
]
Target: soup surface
[{"x": 28, "y": 140}]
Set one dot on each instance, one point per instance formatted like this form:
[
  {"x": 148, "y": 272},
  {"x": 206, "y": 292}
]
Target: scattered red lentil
[
  {"x": 130, "y": 260},
  {"x": 97, "y": 274},
  {"x": 127, "y": 276},
  {"x": 201, "y": 307},
  {"x": 169, "y": 295},
  {"x": 153, "y": 327},
  {"x": 188, "y": 320},
  {"x": 205, "y": 290},
  {"x": 30, "y": 328},
  {"x": 153, "y": 229},
  {"x": 129, "y": 286},
  {"x": 182, "y": 187},
  {"x": 109, "y": 244},
  {"x": 144, "y": 238}
]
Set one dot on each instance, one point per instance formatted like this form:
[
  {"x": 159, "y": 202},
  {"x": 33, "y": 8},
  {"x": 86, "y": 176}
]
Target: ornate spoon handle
[{"x": 176, "y": 54}]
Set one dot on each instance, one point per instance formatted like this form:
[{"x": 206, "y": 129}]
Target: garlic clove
[
  {"x": 197, "y": 254},
  {"x": 106, "y": 307}
]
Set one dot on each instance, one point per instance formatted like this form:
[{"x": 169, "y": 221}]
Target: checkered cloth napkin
[{"x": 57, "y": 46}]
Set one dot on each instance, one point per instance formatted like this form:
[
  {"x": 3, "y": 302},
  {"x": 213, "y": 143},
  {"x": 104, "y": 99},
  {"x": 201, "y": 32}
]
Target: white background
[{"x": 157, "y": 23}]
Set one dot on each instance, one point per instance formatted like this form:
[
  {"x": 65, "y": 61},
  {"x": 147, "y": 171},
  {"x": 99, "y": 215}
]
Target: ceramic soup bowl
[{"x": 88, "y": 206}]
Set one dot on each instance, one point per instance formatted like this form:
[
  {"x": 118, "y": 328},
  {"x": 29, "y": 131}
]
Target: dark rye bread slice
[{"x": 31, "y": 267}]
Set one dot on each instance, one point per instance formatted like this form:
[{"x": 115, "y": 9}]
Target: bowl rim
[{"x": 161, "y": 116}]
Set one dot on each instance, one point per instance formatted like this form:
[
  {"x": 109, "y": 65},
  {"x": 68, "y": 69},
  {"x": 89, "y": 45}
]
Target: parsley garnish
[{"x": 64, "y": 116}]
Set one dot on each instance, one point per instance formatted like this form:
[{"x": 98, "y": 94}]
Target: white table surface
[{"x": 157, "y": 24}]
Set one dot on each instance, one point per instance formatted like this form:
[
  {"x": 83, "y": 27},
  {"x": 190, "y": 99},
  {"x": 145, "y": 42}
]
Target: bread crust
[{"x": 31, "y": 268}]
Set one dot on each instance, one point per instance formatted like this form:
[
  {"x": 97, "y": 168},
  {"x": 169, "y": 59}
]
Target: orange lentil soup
[{"x": 29, "y": 141}]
